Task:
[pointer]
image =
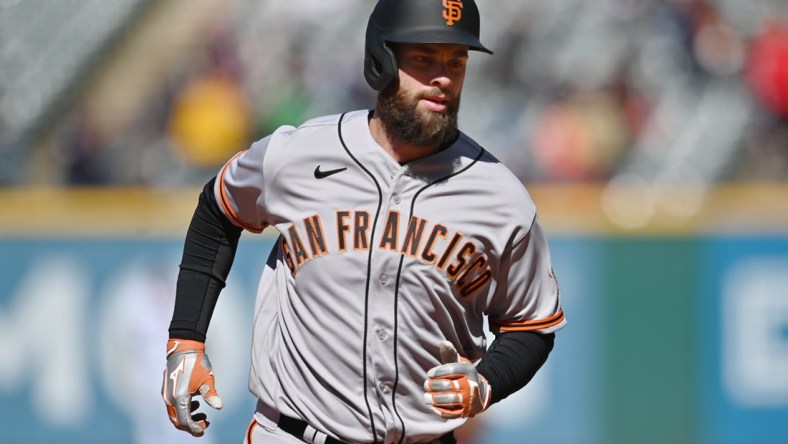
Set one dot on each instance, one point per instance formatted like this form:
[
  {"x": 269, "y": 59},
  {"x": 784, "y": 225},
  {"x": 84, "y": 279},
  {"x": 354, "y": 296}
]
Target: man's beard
[{"x": 420, "y": 127}]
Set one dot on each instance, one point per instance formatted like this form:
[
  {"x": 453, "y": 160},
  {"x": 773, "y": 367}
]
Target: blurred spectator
[
  {"x": 718, "y": 47},
  {"x": 84, "y": 156},
  {"x": 211, "y": 118},
  {"x": 580, "y": 137},
  {"x": 768, "y": 67}
]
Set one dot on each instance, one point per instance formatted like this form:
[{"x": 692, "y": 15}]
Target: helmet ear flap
[{"x": 380, "y": 67}]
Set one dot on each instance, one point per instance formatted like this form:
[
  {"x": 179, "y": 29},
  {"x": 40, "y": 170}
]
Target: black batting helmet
[{"x": 416, "y": 21}]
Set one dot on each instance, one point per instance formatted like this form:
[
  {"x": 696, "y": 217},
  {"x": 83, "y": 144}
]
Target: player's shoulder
[
  {"x": 321, "y": 121},
  {"x": 332, "y": 120},
  {"x": 318, "y": 124},
  {"x": 313, "y": 137},
  {"x": 500, "y": 181},
  {"x": 499, "y": 191}
]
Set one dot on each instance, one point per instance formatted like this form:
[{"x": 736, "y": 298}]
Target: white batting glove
[
  {"x": 455, "y": 389},
  {"x": 188, "y": 373}
]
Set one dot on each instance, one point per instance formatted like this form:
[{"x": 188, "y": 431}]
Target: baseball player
[{"x": 398, "y": 234}]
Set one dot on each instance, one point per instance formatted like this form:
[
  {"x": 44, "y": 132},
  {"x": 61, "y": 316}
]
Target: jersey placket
[{"x": 381, "y": 341}]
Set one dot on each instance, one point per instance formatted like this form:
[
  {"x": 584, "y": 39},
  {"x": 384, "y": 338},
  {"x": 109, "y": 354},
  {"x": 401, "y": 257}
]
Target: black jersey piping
[
  {"x": 369, "y": 273},
  {"x": 396, "y": 287}
]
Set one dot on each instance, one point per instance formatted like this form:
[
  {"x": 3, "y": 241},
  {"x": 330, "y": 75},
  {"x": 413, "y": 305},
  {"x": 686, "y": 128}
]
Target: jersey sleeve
[
  {"x": 527, "y": 297},
  {"x": 240, "y": 188}
]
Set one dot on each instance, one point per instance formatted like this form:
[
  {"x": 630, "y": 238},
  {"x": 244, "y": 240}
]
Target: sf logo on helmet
[{"x": 453, "y": 11}]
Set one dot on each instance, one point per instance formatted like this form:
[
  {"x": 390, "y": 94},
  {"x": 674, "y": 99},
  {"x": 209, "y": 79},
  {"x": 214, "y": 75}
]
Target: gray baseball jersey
[{"x": 376, "y": 264}]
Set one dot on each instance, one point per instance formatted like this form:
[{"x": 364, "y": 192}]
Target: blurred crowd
[{"x": 665, "y": 91}]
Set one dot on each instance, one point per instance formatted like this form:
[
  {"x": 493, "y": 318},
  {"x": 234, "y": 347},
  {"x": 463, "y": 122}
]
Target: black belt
[{"x": 296, "y": 427}]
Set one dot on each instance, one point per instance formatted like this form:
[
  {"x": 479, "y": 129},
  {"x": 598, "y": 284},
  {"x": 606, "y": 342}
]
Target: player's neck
[{"x": 402, "y": 151}]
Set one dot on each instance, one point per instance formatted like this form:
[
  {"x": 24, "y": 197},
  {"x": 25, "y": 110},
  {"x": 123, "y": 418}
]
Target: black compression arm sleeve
[
  {"x": 208, "y": 254},
  {"x": 513, "y": 359}
]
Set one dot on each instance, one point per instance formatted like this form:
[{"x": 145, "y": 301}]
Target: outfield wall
[{"x": 678, "y": 328}]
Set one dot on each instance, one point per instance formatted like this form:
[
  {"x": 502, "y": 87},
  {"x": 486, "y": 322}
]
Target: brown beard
[{"x": 422, "y": 128}]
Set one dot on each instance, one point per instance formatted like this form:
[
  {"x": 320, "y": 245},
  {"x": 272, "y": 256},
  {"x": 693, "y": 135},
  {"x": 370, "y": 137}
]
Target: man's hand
[
  {"x": 455, "y": 389},
  {"x": 188, "y": 373}
]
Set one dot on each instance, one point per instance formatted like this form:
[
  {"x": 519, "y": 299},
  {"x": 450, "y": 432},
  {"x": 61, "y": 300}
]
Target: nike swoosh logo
[{"x": 323, "y": 174}]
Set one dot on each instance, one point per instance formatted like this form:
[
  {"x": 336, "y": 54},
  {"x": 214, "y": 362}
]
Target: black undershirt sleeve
[
  {"x": 513, "y": 359},
  {"x": 208, "y": 255}
]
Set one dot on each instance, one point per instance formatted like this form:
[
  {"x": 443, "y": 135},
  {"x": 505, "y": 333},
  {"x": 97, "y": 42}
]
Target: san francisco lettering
[{"x": 434, "y": 244}]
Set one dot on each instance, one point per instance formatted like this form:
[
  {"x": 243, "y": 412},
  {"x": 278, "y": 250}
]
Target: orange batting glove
[
  {"x": 188, "y": 373},
  {"x": 455, "y": 389}
]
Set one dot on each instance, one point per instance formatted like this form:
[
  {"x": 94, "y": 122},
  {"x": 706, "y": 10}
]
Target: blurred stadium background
[{"x": 653, "y": 135}]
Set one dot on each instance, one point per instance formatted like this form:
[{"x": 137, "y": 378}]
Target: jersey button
[
  {"x": 381, "y": 334},
  {"x": 384, "y": 279},
  {"x": 396, "y": 199},
  {"x": 384, "y": 387}
]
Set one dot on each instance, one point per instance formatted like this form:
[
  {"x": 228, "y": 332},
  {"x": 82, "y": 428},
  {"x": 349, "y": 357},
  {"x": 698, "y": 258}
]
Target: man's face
[{"x": 422, "y": 107}]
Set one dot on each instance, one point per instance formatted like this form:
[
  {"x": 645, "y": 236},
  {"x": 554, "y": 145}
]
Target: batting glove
[
  {"x": 455, "y": 389},
  {"x": 188, "y": 373}
]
